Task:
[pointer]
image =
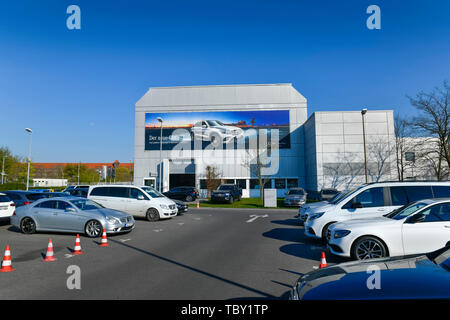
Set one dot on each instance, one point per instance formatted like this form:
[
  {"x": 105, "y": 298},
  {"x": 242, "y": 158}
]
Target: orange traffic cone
[
  {"x": 6, "y": 264},
  {"x": 104, "y": 240},
  {"x": 77, "y": 249},
  {"x": 323, "y": 261},
  {"x": 198, "y": 204},
  {"x": 49, "y": 255}
]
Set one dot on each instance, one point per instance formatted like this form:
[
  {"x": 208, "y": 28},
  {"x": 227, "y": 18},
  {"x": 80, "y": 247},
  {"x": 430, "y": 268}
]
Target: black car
[
  {"x": 411, "y": 277},
  {"x": 187, "y": 194},
  {"x": 21, "y": 198},
  {"x": 226, "y": 192},
  {"x": 181, "y": 206},
  {"x": 78, "y": 192}
]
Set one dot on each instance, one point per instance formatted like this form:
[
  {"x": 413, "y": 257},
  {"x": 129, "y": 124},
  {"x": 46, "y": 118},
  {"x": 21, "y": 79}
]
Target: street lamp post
[
  {"x": 29, "y": 156},
  {"x": 363, "y": 112},
  {"x": 160, "y": 155}
]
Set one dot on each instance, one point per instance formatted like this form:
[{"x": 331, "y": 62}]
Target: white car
[
  {"x": 215, "y": 131},
  {"x": 369, "y": 201},
  {"x": 419, "y": 227},
  {"x": 131, "y": 199},
  {"x": 6, "y": 206}
]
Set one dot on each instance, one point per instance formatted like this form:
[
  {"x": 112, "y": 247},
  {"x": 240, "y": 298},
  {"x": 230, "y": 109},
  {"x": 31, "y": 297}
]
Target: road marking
[
  {"x": 124, "y": 240},
  {"x": 158, "y": 230},
  {"x": 68, "y": 255},
  {"x": 253, "y": 217},
  {"x": 180, "y": 223}
]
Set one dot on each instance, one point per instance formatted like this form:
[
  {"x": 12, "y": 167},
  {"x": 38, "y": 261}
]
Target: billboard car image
[{"x": 214, "y": 128}]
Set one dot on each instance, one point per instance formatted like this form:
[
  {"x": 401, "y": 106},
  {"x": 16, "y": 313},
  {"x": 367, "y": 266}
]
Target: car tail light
[
  {"x": 14, "y": 213},
  {"x": 26, "y": 202},
  {"x": 12, "y": 204}
]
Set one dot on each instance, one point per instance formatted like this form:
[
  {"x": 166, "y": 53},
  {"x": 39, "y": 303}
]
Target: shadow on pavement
[{"x": 288, "y": 222}]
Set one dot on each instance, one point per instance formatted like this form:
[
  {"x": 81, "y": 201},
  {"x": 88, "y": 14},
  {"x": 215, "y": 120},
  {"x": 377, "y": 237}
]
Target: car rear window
[
  {"x": 5, "y": 199},
  {"x": 416, "y": 193},
  {"x": 35, "y": 196}
]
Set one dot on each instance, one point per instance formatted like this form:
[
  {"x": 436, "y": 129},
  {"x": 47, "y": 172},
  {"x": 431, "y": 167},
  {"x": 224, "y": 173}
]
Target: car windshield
[
  {"x": 225, "y": 188},
  {"x": 214, "y": 123},
  {"x": 296, "y": 192},
  {"x": 153, "y": 193},
  {"x": 405, "y": 211},
  {"x": 343, "y": 195},
  {"x": 84, "y": 204}
]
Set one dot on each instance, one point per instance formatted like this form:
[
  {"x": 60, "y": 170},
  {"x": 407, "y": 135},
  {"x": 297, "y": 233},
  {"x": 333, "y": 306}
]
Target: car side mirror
[
  {"x": 70, "y": 209},
  {"x": 203, "y": 126},
  {"x": 419, "y": 217},
  {"x": 140, "y": 197},
  {"x": 356, "y": 205}
]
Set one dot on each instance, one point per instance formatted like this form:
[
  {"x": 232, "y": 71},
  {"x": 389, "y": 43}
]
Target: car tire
[
  {"x": 368, "y": 247},
  {"x": 152, "y": 215},
  {"x": 215, "y": 139},
  {"x": 325, "y": 230},
  {"x": 188, "y": 199},
  {"x": 231, "y": 200},
  {"x": 27, "y": 226},
  {"x": 93, "y": 229}
]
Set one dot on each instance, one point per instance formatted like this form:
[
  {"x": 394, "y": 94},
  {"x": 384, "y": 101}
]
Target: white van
[
  {"x": 368, "y": 201},
  {"x": 133, "y": 200}
]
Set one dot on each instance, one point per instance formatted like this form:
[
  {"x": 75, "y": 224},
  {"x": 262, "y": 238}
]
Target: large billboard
[{"x": 215, "y": 128}]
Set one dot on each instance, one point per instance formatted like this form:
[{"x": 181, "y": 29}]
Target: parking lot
[{"x": 207, "y": 253}]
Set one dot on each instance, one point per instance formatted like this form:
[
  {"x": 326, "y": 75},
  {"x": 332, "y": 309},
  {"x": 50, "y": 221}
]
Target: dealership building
[{"x": 250, "y": 131}]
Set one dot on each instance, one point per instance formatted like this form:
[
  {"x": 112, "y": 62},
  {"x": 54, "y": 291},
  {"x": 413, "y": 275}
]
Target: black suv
[
  {"x": 226, "y": 192},
  {"x": 187, "y": 194}
]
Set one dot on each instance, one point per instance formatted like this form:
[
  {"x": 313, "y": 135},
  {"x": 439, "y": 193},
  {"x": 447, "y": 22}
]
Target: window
[
  {"x": 418, "y": 193},
  {"x": 62, "y": 205},
  {"x": 441, "y": 191},
  {"x": 254, "y": 184},
  {"x": 119, "y": 192},
  {"x": 4, "y": 199},
  {"x": 437, "y": 213},
  {"x": 280, "y": 183},
  {"x": 242, "y": 183},
  {"x": 135, "y": 193},
  {"x": 230, "y": 181},
  {"x": 203, "y": 184},
  {"x": 47, "y": 204},
  {"x": 34, "y": 197},
  {"x": 398, "y": 196},
  {"x": 292, "y": 183},
  {"x": 13, "y": 196},
  {"x": 369, "y": 198},
  {"x": 100, "y": 191}
]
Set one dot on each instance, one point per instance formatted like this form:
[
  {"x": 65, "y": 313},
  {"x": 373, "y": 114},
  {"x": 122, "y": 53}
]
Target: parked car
[
  {"x": 7, "y": 206},
  {"x": 181, "y": 206},
  {"x": 133, "y": 200},
  {"x": 302, "y": 211},
  {"x": 187, "y": 194},
  {"x": 71, "y": 214},
  {"x": 55, "y": 194},
  {"x": 79, "y": 192},
  {"x": 295, "y": 197},
  {"x": 369, "y": 201},
  {"x": 401, "y": 278},
  {"x": 327, "y": 194},
  {"x": 75, "y": 187},
  {"x": 215, "y": 131},
  {"x": 21, "y": 198},
  {"x": 419, "y": 227},
  {"x": 41, "y": 190},
  {"x": 226, "y": 192}
]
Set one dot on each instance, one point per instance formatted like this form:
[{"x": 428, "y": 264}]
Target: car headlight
[
  {"x": 164, "y": 206},
  {"x": 111, "y": 220},
  {"x": 341, "y": 233},
  {"x": 316, "y": 215}
]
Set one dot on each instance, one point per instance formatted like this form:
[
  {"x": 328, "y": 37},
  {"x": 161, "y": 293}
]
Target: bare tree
[
  {"x": 402, "y": 130},
  {"x": 380, "y": 151},
  {"x": 434, "y": 118},
  {"x": 213, "y": 180}
]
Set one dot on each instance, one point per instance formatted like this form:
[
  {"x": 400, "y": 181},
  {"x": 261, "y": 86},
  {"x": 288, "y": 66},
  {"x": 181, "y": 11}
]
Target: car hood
[
  {"x": 294, "y": 196},
  {"x": 356, "y": 223},
  {"x": 222, "y": 191},
  {"x": 108, "y": 212},
  {"x": 164, "y": 200},
  {"x": 231, "y": 128},
  {"x": 413, "y": 277}
]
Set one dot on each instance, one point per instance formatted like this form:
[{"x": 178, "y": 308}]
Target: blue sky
[{"x": 77, "y": 89}]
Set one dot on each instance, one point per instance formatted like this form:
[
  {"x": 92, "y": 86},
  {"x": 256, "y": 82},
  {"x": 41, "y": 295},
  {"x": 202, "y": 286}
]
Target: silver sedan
[{"x": 71, "y": 214}]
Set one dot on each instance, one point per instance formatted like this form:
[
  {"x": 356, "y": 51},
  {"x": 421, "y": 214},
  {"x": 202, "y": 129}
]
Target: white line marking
[
  {"x": 68, "y": 255},
  {"x": 158, "y": 230},
  {"x": 253, "y": 217},
  {"x": 124, "y": 240}
]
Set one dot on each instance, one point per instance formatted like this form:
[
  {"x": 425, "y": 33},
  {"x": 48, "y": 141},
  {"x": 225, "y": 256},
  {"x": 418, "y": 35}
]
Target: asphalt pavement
[{"x": 202, "y": 254}]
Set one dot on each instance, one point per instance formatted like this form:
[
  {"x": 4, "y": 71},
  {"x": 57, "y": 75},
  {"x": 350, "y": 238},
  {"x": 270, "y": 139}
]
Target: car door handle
[{"x": 446, "y": 226}]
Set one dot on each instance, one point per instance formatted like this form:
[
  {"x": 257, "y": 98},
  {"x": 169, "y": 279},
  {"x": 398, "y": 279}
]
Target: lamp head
[
  {"x": 159, "y": 119},
  {"x": 364, "y": 111},
  {"x": 28, "y": 130}
]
